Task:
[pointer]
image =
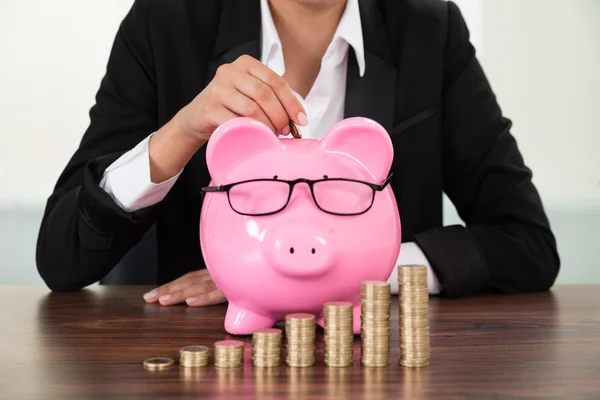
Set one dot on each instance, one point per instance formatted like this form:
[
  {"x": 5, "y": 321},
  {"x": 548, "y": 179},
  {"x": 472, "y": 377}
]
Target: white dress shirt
[{"x": 128, "y": 182}]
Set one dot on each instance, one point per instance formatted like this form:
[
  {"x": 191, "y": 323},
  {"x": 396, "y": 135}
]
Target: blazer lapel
[
  {"x": 373, "y": 95},
  {"x": 238, "y": 34}
]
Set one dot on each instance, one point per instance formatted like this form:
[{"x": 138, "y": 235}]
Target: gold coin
[
  {"x": 267, "y": 333},
  {"x": 228, "y": 344},
  {"x": 158, "y": 363},
  {"x": 341, "y": 306},
  {"x": 195, "y": 349},
  {"x": 295, "y": 130},
  {"x": 375, "y": 284}
]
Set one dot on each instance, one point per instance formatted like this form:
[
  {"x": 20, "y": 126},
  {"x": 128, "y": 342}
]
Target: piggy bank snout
[{"x": 301, "y": 251}]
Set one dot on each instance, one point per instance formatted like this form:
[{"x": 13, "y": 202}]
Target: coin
[
  {"x": 295, "y": 130},
  {"x": 158, "y": 363},
  {"x": 266, "y": 347},
  {"x": 413, "y": 308},
  {"x": 194, "y": 356},
  {"x": 375, "y": 323},
  {"x": 300, "y": 339},
  {"x": 229, "y": 354},
  {"x": 339, "y": 333}
]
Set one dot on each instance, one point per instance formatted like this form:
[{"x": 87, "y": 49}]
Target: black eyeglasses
[{"x": 337, "y": 196}]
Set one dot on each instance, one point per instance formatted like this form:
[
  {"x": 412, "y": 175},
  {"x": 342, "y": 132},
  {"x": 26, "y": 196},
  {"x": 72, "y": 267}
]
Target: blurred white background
[{"x": 541, "y": 56}]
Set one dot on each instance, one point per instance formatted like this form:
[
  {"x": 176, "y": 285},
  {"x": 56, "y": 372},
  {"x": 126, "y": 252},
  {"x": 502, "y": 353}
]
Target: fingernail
[
  {"x": 191, "y": 300},
  {"x": 286, "y": 131},
  {"x": 150, "y": 295},
  {"x": 302, "y": 119},
  {"x": 165, "y": 297}
]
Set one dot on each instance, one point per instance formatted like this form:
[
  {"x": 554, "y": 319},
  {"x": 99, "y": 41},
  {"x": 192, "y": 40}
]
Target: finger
[
  {"x": 264, "y": 96},
  {"x": 153, "y": 295},
  {"x": 239, "y": 103},
  {"x": 197, "y": 288},
  {"x": 279, "y": 86},
  {"x": 207, "y": 299},
  {"x": 174, "y": 295}
]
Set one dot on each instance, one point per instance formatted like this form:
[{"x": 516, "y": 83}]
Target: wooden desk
[{"x": 91, "y": 344}]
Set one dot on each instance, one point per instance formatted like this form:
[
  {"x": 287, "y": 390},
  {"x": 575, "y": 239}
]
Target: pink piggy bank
[{"x": 290, "y": 224}]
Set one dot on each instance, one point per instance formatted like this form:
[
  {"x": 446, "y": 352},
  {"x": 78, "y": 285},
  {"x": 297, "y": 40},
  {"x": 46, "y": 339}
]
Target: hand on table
[{"x": 196, "y": 288}]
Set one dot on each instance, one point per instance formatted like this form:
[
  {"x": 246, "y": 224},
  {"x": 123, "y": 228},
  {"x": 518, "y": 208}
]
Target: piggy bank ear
[
  {"x": 235, "y": 141},
  {"x": 364, "y": 140}
]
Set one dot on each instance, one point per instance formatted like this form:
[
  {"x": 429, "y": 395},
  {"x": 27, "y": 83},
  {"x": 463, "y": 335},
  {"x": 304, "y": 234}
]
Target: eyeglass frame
[{"x": 292, "y": 184}]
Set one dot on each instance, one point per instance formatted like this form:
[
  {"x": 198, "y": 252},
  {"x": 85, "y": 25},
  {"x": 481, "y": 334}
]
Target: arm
[
  {"x": 92, "y": 219},
  {"x": 84, "y": 233},
  {"x": 507, "y": 245}
]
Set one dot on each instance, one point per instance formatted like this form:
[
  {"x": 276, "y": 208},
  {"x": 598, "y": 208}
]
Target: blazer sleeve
[
  {"x": 506, "y": 244},
  {"x": 84, "y": 233}
]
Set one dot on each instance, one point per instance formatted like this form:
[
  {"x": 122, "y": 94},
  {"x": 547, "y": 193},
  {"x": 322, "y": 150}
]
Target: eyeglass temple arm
[
  {"x": 386, "y": 181},
  {"x": 213, "y": 189}
]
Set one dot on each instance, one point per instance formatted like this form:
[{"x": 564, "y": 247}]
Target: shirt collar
[{"x": 349, "y": 29}]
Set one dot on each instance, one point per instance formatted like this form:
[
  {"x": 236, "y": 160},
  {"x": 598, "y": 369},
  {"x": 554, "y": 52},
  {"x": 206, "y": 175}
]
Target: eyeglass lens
[{"x": 335, "y": 196}]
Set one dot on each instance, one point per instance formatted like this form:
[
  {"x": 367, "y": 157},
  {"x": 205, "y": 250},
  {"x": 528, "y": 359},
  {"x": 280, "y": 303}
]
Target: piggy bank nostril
[{"x": 313, "y": 250}]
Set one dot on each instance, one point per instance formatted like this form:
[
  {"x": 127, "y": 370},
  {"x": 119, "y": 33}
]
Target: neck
[{"x": 304, "y": 27}]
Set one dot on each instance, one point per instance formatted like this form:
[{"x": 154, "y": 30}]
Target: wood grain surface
[{"x": 91, "y": 344}]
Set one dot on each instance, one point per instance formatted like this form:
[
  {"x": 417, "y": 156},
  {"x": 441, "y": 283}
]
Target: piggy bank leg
[{"x": 241, "y": 321}]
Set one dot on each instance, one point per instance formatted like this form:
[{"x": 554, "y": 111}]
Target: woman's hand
[
  {"x": 196, "y": 288},
  {"x": 244, "y": 88}
]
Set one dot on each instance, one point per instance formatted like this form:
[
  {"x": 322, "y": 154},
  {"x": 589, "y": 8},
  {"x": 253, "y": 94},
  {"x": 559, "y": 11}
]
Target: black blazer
[{"x": 423, "y": 83}]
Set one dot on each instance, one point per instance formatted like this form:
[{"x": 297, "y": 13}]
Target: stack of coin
[
  {"x": 339, "y": 334},
  {"x": 375, "y": 324},
  {"x": 266, "y": 348},
  {"x": 300, "y": 335},
  {"x": 413, "y": 307},
  {"x": 229, "y": 354},
  {"x": 193, "y": 356}
]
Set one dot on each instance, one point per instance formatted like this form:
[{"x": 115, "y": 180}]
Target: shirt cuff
[
  {"x": 128, "y": 182},
  {"x": 411, "y": 254}
]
